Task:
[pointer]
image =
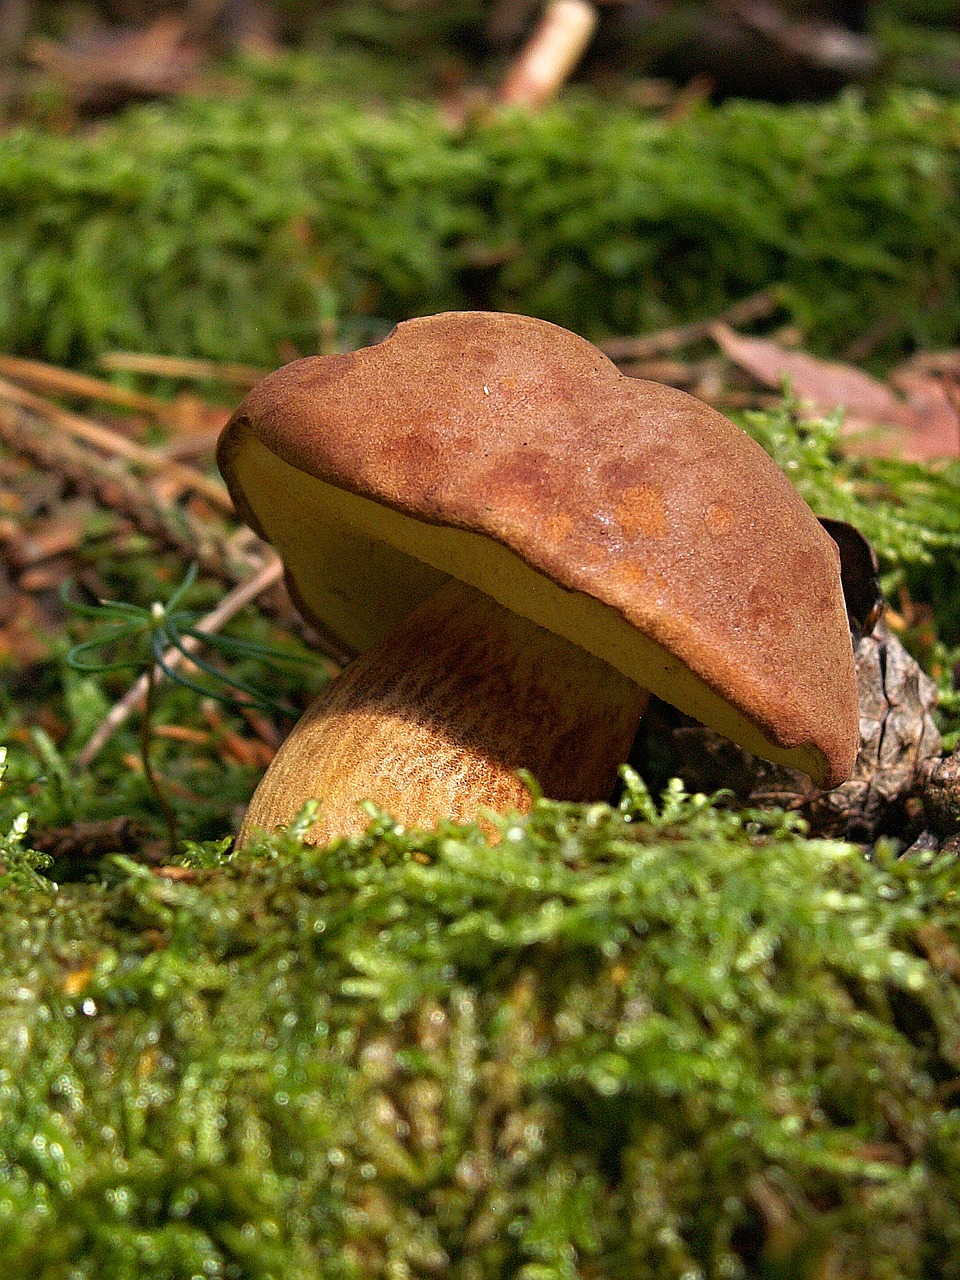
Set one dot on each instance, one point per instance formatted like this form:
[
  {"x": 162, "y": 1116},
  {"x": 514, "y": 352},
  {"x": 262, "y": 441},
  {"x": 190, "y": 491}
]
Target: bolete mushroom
[{"x": 520, "y": 543}]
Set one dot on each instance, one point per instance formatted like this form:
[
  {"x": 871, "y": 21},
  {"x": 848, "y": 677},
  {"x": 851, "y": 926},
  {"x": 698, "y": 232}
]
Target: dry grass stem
[
  {"x": 241, "y": 375},
  {"x": 112, "y": 442},
  {"x": 50, "y": 378}
]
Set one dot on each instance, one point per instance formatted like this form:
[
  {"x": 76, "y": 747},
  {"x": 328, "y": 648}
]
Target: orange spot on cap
[
  {"x": 641, "y": 509},
  {"x": 719, "y": 517}
]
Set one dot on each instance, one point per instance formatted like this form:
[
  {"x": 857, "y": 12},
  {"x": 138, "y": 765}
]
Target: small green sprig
[
  {"x": 20, "y": 865},
  {"x": 150, "y": 632},
  {"x": 142, "y": 638}
]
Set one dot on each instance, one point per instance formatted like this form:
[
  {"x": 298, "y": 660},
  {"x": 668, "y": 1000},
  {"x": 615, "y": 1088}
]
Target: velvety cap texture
[{"x": 631, "y": 492}]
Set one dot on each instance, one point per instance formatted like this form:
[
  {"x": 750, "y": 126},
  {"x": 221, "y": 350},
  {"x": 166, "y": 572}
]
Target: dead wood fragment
[
  {"x": 50, "y": 378},
  {"x": 673, "y": 372},
  {"x": 816, "y": 41},
  {"x": 897, "y": 736},
  {"x": 233, "y": 557},
  {"x": 199, "y": 444}
]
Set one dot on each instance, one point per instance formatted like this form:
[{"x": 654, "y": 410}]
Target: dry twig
[
  {"x": 112, "y": 442},
  {"x": 550, "y": 55},
  {"x": 117, "y": 489},
  {"x": 755, "y": 307}
]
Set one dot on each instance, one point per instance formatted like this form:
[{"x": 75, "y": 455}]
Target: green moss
[
  {"x": 629, "y": 1043},
  {"x": 906, "y": 510},
  {"x": 234, "y": 228}
]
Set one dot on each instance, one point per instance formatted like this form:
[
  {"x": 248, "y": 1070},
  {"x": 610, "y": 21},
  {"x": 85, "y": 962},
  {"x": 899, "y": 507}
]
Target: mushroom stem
[{"x": 435, "y": 720}]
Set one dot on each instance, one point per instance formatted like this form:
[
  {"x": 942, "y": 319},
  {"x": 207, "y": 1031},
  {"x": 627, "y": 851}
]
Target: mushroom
[{"x": 520, "y": 544}]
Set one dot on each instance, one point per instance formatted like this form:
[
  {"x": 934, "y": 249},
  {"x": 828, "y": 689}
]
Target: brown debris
[
  {"x": 27, "y": 542},
  {"x": 815, "y": 41},
  {"x": 178, "y": 875},
  {"x": 916, "y": 416},
  {"x": 108, "y": 482},
  {"x": 757, "y": 307},
  {"x": 88, "y": 841},
  {"x": 939, "y": 949},
  {"x": 242, "y": 375},
  {"x": 25, "y": 626},
  {"x": 50, "y": 379},
  {"x": 828, "y": 383},
  {"x": 941, "y": 794},
  {"x": 934, "y": 410},
  {"x": 897, "y": 737},
  {"x": 113, "y": 443},
  {"x": 106, "y": 66}
]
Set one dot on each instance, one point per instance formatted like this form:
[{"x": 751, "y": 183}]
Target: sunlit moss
[
  {"x": 650, "y": 1043},
  {"x": 285, "y": 215}
]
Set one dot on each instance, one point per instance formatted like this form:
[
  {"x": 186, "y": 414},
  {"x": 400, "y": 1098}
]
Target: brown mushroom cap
[{"x": 624, "y": 515}]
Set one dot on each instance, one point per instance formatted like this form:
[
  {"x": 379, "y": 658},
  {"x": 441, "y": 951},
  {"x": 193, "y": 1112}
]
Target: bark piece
[{"x": 897, "y": 736}]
